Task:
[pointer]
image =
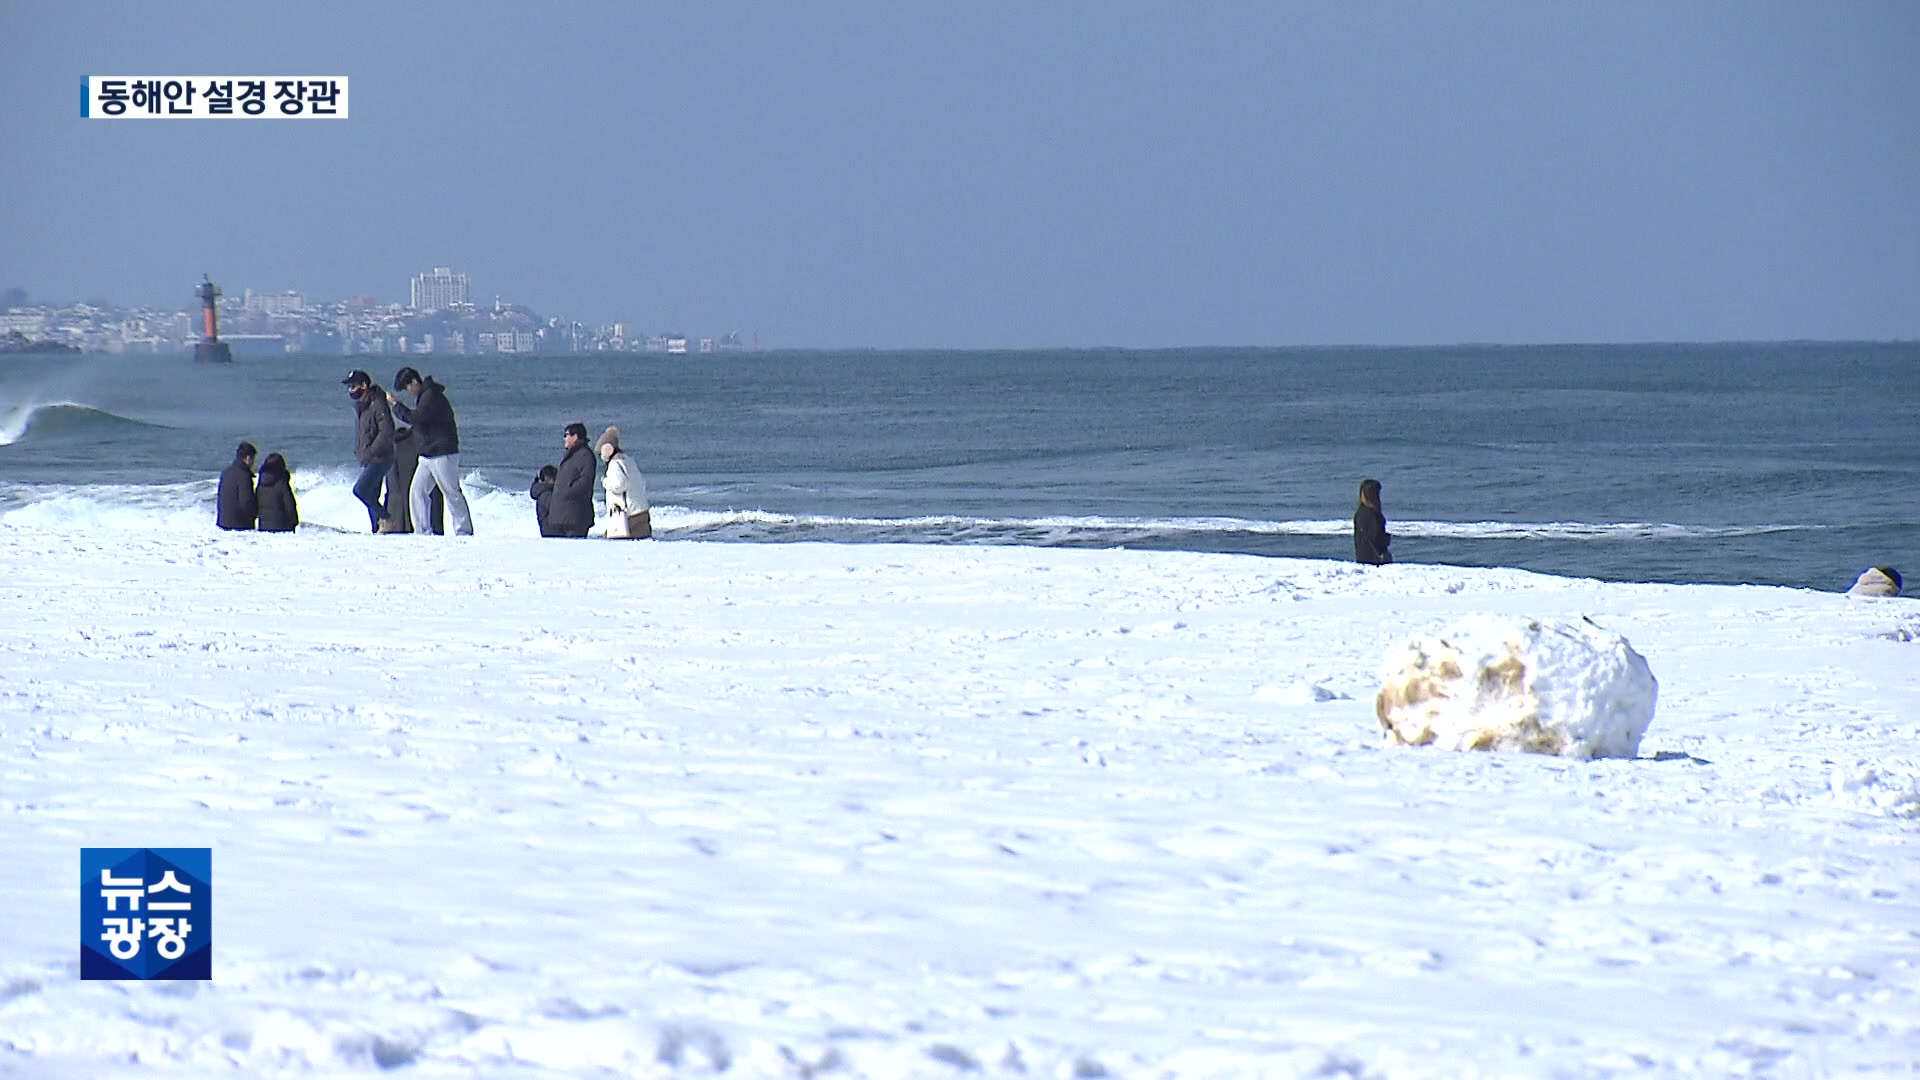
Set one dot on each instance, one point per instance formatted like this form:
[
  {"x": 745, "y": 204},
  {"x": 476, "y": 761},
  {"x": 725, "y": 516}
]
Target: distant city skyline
[
  {"x": 439, "y": 317},
  {"x": 995, "y": 174}
]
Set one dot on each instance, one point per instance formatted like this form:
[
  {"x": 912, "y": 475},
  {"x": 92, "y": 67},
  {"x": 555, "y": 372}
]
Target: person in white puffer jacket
[{"x": 628, "y": 515}]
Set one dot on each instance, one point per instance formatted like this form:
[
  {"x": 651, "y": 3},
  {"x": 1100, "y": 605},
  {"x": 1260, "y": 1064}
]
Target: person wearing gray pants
[
  {"x": 433, "y": 425},
  {"x": 441, "y": 472}
]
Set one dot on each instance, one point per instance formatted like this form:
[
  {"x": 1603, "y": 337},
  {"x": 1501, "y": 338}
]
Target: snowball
[{"x": 1507, "y": 683}]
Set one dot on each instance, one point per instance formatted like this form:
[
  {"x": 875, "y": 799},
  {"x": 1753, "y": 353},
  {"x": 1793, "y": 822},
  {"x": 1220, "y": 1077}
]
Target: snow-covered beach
[{"x": 507, "y": 807}]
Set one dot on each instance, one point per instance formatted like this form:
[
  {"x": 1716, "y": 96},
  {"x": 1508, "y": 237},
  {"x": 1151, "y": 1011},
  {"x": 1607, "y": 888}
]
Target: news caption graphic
[
  {"x": 146, "y": 913},
  {"x": 213, "y": 97}
]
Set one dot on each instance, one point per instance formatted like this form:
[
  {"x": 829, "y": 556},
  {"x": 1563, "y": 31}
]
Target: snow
[
  {"x": 1490, "y": 682},
  {"x": 507, "y": 807}
]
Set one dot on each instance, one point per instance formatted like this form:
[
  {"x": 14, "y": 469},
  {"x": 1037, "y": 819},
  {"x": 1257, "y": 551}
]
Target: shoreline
[{"x": 185, "y": 509}]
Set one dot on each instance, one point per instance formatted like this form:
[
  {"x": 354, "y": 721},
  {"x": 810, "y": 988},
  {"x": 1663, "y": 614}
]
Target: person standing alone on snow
[
  {"x": 372, "y": 447},
  {"x": 433, "y": 425},
  {"x": 239, "y": 505},
  {"x": 1370, "y": 537}
]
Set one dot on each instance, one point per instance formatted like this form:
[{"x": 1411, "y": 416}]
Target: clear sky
[{"x": 980, "y": 174}]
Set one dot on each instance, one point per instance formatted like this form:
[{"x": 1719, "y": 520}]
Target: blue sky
[{"x": 1008, "y": 174}]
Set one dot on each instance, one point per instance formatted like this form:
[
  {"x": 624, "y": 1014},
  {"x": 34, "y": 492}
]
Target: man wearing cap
[
  {"x": 571, "y": 513},
  {"x": 372, "y": 446},
  {"x": 433, "y": 425}
]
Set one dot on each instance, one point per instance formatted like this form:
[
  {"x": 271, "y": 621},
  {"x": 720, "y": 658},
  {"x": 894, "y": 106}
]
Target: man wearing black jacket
[
  {"x": 239, "y": 504},
  {"x": 572, "y": 511},
  {"x": 372, "y": 447},
  {"x": 433, "y": 425}
]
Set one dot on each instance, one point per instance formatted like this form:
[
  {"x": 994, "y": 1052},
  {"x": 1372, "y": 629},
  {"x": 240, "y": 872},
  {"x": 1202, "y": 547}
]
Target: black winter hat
[{"x": 356, "y": 377}]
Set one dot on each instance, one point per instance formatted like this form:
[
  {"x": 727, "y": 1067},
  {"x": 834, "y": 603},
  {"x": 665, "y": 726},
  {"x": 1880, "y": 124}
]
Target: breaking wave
[
  {"x": 327, "y": 502},
  {"x": 62, "y": 417},
  {"x": 1116, "y": 531}
]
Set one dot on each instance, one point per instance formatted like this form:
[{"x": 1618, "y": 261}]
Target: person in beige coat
[
  {"x": 628, "y": 515},
  {"x": 1875, "y": 581}
]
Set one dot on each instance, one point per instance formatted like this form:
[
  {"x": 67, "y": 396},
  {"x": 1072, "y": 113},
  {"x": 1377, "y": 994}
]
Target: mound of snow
[
  {"x": 1508, "y": 683},
  {"x": 1882, "y": 791}
]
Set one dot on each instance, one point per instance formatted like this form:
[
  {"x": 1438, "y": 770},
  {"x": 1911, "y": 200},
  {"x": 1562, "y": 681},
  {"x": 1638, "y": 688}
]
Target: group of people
[
  {"x": 418, "y": 464},
  {"x": 409, "y": 457},
  {"x": 563, "y": 494},
  {"x": 268, "y": 504},
  {"x": 409, "y": 470}
]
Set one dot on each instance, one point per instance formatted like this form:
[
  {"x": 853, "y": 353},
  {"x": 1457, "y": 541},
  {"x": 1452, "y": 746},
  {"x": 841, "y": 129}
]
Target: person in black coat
[
  {"x": 432, "y": 420},
  {"x": 1370, "y": 539},
  {"x": 542, "y": 495},
  {"x": 239, "y": 506},
  {"x": 572, "y": 511},
  {"x": 278, "y": 510},
  {"x": 406, "y": 458}
]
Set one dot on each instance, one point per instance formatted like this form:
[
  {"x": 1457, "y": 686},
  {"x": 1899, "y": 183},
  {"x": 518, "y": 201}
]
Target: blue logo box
[{"x": 146, "y": 913}]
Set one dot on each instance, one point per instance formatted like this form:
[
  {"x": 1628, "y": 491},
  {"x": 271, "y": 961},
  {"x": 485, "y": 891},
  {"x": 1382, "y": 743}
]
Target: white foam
[
  {"x": 18, "y": 420},
  {"x": 325, "y": 497},
  {"x": 1465, "y": 530}
]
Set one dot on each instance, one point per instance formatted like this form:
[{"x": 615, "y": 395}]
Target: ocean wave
[
  {"x": 1096, "y": 531},
  {"x": 61, "y": 417},
  {"x": 326, "y": 500}
]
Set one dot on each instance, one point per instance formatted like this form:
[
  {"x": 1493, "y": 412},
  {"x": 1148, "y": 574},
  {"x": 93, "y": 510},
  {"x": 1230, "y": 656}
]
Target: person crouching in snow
[
  {"x": 628, "y": 516},
  {"x": 542, "y": 495},
  {"x": 1877, "y": 581},
  {"x": 278, "y": 510}
]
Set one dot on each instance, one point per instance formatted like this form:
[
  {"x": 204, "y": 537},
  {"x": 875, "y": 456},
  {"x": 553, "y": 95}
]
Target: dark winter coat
[
  {"x": 239, "y": 505},
  {"x": 373, "y": 430},
  {"x": 542, "y": 495},
  {"x": 432, "y": 420},
  {"x": 406, "y": 462},
  {"x": 1370, "y": 537},
  {"x": 278, "y": 510},
  {"x": 572, "y": 511}
]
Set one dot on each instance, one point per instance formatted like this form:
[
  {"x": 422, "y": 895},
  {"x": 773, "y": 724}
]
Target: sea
[{"x": 1788, "y": 463}]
